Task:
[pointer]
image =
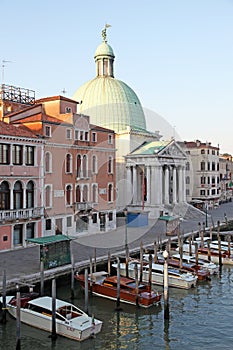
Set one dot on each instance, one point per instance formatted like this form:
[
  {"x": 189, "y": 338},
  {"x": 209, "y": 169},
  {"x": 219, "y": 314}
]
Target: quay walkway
[{"x": 22, "y": 265}]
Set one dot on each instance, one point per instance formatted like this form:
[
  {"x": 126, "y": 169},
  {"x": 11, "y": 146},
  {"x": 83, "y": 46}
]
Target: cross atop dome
[{"x": 104, "y": 32}]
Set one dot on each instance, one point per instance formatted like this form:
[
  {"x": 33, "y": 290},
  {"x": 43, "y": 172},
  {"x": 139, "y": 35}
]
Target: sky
[{"x": 177, "y": 55}]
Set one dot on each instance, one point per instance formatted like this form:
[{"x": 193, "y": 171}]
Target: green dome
[{"x": 111, "y": 104}]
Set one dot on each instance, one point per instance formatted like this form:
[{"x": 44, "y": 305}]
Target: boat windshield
[{"x": 69, "y": 312}]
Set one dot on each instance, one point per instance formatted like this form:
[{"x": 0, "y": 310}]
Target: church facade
[{"x": 150, "y": 174}]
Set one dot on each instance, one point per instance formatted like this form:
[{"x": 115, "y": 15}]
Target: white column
[
  {"x": 153, "y": 185},
  {"x": 184, "y": 185},
  {"x": 148, "y": 184},
  {"x": 174, "y": 185},
  {"x": 135, "y": 185},
  {"x": 158, "y": 185},
  {"x": 180, "y": 185},
  {"x": 128, "y": 185},
  {"x": 166, "y": 186}
]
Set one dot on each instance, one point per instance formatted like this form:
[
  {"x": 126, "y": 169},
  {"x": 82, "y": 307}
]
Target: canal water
[{"x": 200, "y": 318}]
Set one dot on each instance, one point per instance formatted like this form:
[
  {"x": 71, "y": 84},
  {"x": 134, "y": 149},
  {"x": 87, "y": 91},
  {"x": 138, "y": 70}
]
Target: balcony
[
  {"x": 21, "y": 214},
  {"x": 83, "y": 206}
]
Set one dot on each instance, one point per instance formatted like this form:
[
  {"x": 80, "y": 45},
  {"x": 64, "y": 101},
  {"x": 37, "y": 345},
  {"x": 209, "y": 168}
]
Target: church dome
[{"x": 109, "y": 102}]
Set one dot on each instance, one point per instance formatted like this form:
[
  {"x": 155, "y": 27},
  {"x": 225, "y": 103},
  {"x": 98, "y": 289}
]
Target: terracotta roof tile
[{"x": 11, "y": 130}]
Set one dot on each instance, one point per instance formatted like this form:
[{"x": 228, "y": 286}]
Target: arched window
[
  {"x": 30, "y": 195},
  {"x": 187, "y": 166},
  {"x": 18, "y": 195},
  {"x": 85, "y": 174},
  {"x": 94, "y": 164},
  {"x": 4, "y": 196},
  {"x": 110, "y": 165},
  {"x": 94, "y": 193},
  {"x": 68, "y": 163},
  {"x": 68, "y": 195},
  {"x": 202, "y": 166},
  {"x": 48, "y": 196},
  {"x": 110, "y": 193},
  {"x": 78, "y": 194},
  {"x": 79, "y": 164},
  {"x": 85, "y": 193},
  {"x": 48, "y": 162}
]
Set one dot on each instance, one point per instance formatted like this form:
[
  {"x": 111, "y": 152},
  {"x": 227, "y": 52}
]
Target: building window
[
  {"x": 48, "y": 162},
  {"x": 94, "y": 164},
  {"x": 4, "y": 196},
  {"x": 94, "y": 218},
  {"x": 187, "y": 166},
  {"x": 76, "y": 134},
  {"x": 202, "y": 192},
  {"x": 68, "y": 110},
  {"x": 94, "y": 193},
  {"x": 208, "y": 180},
  {"x": 68, "y": 195},
  {"x": 68, "y": 163},
  {"x": 213, "y": 192},
  {"x": 86, "y": 136},
  {"x": 110, "y": 216},
  {"x": 48, "y": 224},
  {"x": 202, "y": 180},
  {"x": 18, "y": 195},
  {"x": 85, "y": 193},
  {"x": 202, "y": 166},
  {"x": 30, "y": 155},
  {"x": 78, "y": 194},
  {"x": 48, "y": 196},
  {"x": 213, "y": 152},
  {"x": 202, "y": 151},
  {"x": 68, "y": 134},
  {"x": 81, "y": 135},
  {"x": 69, "y": 221},
  {"x": 109, "y": 139},
  {"x": 110, "y": 166},
  {"x": 30, "y": 230},
  {"x": 18, "y": 235},
  {"x": 213, "y": 180},
  {"x": 110, "y": 193},
  {"x": 4, "y": 153},
  {"x": 187, "y": 192},
  {"x": 213, "y": 166},
  {"x": 187, "y": 180},
  {"x": 94, "y": 137},
  {"x": 85, "y": 166},
  {"x": 48, "y": 131},
  {"x": 208, "y": 166},
  {"x": 79, "y": 164},
  {"x": 30, "y": 195},
  {"x": 17, "y": 154}
]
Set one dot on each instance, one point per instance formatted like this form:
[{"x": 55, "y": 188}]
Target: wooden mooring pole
[
  {"x": 219, "y": 248},
  {"x": 86, "y": 290},
  {"x": 41, "y": 278},
  {"x": 165, "y": 286},
  {"x": 118, "y": 302},
  {"x": 54, "y": 330},
  {"x": 18, "y": 320},
  {"x": 72, "y": 277},
  {"x": 3, "y": 306}
]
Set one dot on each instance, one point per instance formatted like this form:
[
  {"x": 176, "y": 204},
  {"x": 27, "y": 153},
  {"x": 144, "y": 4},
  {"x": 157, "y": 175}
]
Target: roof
[
  {"x": 168, "y": 218},
  {"x": 49, "y": 239},
  {"x": 12, "y": 130},
  {"x": 111, "y": 104},
  {"x": 151, "y": 147}
]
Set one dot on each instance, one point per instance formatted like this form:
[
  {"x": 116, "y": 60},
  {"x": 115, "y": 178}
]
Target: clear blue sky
[{"x": 177, "y": 55}]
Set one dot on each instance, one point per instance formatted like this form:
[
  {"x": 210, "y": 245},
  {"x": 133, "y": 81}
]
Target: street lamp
[{"x": 126, "y": 244}]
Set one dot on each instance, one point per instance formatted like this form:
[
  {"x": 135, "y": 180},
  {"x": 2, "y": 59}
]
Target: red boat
[{"x": 101, "y": 284}]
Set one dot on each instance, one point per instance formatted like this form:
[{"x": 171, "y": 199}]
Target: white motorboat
[
  {"x": 176, "y": 277},
  {"x": 71, "y": 322},
  {"x": 202, "y": 263}
]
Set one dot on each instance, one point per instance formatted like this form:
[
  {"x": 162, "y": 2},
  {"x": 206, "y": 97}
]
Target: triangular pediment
[{"x": 172, "y": 150}]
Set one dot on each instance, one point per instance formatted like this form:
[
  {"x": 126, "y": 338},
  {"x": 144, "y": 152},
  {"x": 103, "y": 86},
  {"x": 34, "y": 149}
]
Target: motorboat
[
  {"x": 202, "y": 263},
  {"x": 71, "y": 321},
  {"x": 104, "y": 285},
  {"x": 202, "y": 275},
  {"x": 176, "y": 277},
  {"x": 204, "y": 253}
]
